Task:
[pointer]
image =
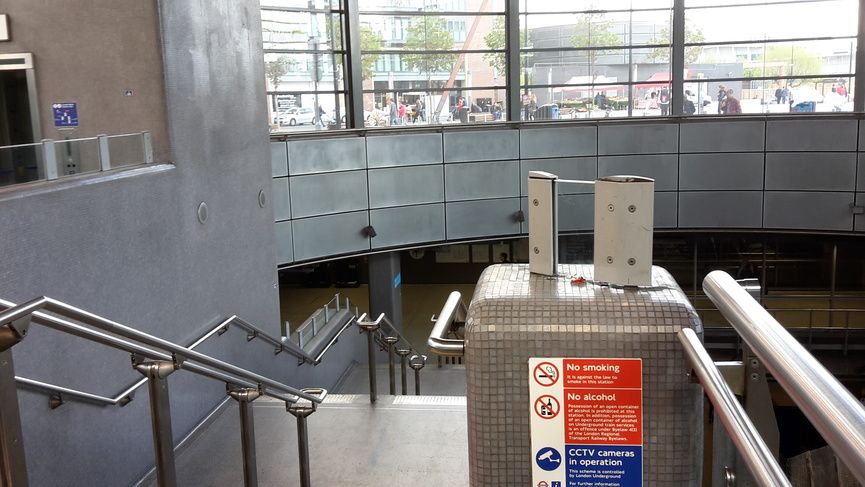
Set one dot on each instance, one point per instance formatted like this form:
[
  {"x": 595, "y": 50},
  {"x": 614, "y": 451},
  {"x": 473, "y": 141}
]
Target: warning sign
[{"x": 590, "y": 409}]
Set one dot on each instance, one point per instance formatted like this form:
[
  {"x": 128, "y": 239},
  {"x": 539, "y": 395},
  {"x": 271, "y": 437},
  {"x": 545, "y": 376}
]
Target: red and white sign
[{"x": 546, "y": 374}]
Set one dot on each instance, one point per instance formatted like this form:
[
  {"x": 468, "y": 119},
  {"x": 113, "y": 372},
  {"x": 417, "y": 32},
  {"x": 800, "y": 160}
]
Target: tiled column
[{"x": 516, "y": 315}]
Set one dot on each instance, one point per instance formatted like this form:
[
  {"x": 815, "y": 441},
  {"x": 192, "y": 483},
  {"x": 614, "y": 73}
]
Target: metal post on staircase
[
  {"x": 369, "y": 327},
  {"x": 13, "y": 467},
  {"x": 244, "y": 397},
  {"x": 157, "y": 373},
  {"x": 403, "y": 354},
  {"x": 390, "y": 363},
  {"x": 301, "y": 410}
]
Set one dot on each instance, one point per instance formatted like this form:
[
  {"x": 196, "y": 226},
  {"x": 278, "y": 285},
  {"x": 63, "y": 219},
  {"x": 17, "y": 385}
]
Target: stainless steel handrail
[
  {"x": 831, "y": 408},
  {"x": 33, "y": 306},
  {"x": 279, "y": 344},
  {"x": 454, "y": 310},
  {"x": 744, "y": 434}
]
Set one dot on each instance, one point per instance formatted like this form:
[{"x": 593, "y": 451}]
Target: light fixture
[
  {"x": 369, "y": 231},
  {"x": 520, "y": 216}
]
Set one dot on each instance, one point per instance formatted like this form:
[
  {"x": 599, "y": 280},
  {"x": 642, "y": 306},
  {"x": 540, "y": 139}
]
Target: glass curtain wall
[
  {"x": 443, "y": 61},
  {"x": 303, "y": 55}
]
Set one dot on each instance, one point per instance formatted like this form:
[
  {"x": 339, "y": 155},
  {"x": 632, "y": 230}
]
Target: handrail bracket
[{"x": 14, "y": 331}]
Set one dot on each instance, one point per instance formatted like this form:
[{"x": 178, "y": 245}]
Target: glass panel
[
  {"x": 593, "y": 29},
  {"x": 318, "y": 4},
  {"x": 20, "y": 164},
  {"x": 307, "y": 111},
  {"x": 300, "y": 31},
  {"x": 583, "y": 5},
  {"x": 78, "y": 156},
  {"x": 126, "y": 150},
  {"x": 409, "y": 6},
  {"x": 303, "y": 72},
  {"x": 836, "y": 18}
]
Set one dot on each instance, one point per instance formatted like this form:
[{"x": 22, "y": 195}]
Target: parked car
[{"x": 297, "y": 116}]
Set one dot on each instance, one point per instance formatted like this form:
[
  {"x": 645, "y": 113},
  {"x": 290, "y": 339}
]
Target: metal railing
[
  {"x": 451, "y": 321},
  {"x": 836, "y": 414},
  {"x": 52, "y": 159},
  {"x": 155, "y": 363},
  {"x": 389, "y": 340},
  {"x": 312, "y": 325}
]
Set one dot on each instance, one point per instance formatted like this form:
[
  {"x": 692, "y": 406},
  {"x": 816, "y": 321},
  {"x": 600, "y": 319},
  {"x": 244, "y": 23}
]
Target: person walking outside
[
  {"x": 722, "y": 93},
  {"x": 732, "y": 105}
]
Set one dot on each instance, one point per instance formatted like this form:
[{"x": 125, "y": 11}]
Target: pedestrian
[
  {"x": 402, "y": 117},
  {"x": 393, "y": 112},
  {"x": 533, "y": 107},
  {"x": 421, "y": 109},
  {"x": 722, "y": 94},
  {"x": 731, "y": 104},
  {"x": 784, "y": 94},
  {"x": 778, "y": 95},
  {"x": 664, "y": 102},
  {"x": 688, "y": 107}
]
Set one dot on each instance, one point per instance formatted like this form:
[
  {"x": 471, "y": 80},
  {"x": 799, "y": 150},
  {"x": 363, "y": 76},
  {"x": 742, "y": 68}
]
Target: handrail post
[
  {"x": 160, "y": 416},
  {"x": 417, "y": 362},
  {"x": 369, "y": 327},
  {"x": 244, "y": 397},
  {"x": 390, "y": 363},
  {"x": 301, "y": 410},
  {"x": 403, "y": 354},
  {"x": 13, "y": 467}
]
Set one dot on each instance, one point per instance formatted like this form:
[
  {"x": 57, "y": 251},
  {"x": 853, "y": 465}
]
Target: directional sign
[{"x": 65, "y": 114}]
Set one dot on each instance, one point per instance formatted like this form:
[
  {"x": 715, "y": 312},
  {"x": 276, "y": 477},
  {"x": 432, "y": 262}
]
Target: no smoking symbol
[
  {"x": 546, "y": 374},
  {"x": 547, "y": 407}
]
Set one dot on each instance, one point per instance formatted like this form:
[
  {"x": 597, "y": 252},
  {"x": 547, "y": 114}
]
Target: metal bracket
[
  {"x": 245, "y": 394},
  {"x": 56, "y": 400},
  {"x": 251, "y": 336},
  {"x": 14, "y": 331},
  {"x": 303, "y": 408},
  {"x": 159, "y": 369},
  {"x": 857, "y": 210}
]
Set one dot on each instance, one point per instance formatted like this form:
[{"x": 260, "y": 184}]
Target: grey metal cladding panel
[
  {"x": 322, "y": 194},
  {"x": 481, "y": 180},
  {"x": 666, "y": 210},
  {"x": 477, "y": 145},
  {"x": 482, "y": 218},
  {"x": 734, "y": 171},
  {"x": 663, "y": 168},
  {"x": 860, "y": 172},
  {"x": 404, "y": 150},
  {"x": 577, "y": 168},
  {"x": 284, "y": 244},
  {"x": 396, "y": 186},
  {"x": 808, "y": 211},
  {"x": 326, "y": 155},
  {"x": 536, "y": 143},
  {"x": 576, "y": 213},
  {"x": 408, "y": 225},
  {"x": 739, "y": 136},
  {"x": 330, "y": 235},
  {"x": 811, "y": 134},
  {"x": 859, "y": 220},
  {"x": 281, "y": 206},
  {"x": 279, "y": 159},
  {"x": 646, "y": 138},
  {"x": 811, "y": 171},
  {"x": 721, "y": 209}
]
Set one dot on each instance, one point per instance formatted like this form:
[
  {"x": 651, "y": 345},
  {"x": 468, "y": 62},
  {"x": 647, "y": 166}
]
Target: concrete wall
[
  {"x": 450, "y": 183},
  {"x": 129, "y": 245}
]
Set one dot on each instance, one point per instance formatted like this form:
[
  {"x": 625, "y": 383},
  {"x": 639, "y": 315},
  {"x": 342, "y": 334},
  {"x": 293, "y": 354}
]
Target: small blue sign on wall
[{"x": 65, "y": 114}]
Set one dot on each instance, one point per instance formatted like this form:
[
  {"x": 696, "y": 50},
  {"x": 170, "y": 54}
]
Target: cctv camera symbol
[{"x": 548, "y": 456}]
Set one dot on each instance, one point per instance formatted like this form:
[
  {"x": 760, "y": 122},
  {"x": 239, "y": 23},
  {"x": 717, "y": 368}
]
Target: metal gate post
[
  {"x": 160, "y": 416},
  {"x": 244, "y": 397}
]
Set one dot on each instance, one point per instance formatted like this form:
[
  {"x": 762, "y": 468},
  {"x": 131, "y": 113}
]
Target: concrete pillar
[{"x": 385, "y": 289}]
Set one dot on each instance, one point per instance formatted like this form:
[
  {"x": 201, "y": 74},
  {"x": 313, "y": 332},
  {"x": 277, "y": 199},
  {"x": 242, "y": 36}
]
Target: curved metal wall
[{"x": 427, "y": 187}]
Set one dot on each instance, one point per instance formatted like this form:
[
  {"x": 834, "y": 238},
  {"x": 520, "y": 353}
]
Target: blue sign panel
[
  {"x": 613, "y": 466},
  {"x": 65, "y": 114},
  {"x": 548, "y": 459}
]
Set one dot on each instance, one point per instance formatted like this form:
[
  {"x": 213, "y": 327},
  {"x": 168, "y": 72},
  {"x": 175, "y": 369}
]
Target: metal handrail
[
  {"x": 246, "y": 377},
  {"x": 281, "y": 345},
  {"x": 760, "y": 460},
  {"x": 453, "y": 311},
  {"x": 831, "y": 408}
]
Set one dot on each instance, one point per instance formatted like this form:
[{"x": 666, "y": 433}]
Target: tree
[
  {"x": 429, "y": 33},
  {"x": 692, "y": 36},
  {"x": 496, "y": 40},
  {"x": 370, "y": 40},
  {"x": 593, "y": 30},
  {"x": 275, "y": 70}
]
